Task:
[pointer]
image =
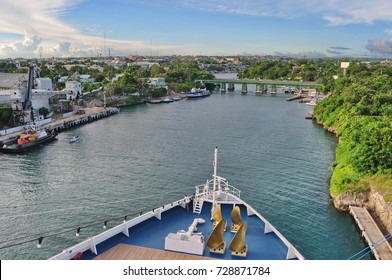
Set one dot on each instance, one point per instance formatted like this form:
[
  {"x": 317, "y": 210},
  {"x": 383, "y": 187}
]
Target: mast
[{"x": 215, "y": 166}]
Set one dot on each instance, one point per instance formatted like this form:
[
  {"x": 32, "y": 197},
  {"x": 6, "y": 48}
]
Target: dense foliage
[
  {"x": 320, "y": 70},
  {"x": 179, "y": 76},
  {"x": 360, "y": 111}
]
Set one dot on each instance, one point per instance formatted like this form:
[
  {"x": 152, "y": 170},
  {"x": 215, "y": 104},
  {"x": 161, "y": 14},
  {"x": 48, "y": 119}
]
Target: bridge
[{"x": 261, "y": 85}]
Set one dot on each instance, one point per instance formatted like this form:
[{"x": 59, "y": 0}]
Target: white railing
[
  {"x": 92, "y": 242},
  {"x": 222, "y": 189}
]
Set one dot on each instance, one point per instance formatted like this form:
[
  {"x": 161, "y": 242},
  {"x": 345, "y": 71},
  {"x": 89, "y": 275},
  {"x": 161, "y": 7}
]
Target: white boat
[
  {"x": 170, "y": 231},
  {"x": 195, "y": 93},
  {"x": 74, "y": 139},
  {"x": 311, "y": 103},
  {"x": 167, "y": 100}
]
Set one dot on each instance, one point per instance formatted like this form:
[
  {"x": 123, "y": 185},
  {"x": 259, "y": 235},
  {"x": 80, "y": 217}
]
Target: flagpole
[{"x": 214, "y": 187}]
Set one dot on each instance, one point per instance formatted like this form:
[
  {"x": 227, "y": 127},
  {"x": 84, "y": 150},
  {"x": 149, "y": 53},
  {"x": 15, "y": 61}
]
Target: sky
[{"x": 303, "y": 28}]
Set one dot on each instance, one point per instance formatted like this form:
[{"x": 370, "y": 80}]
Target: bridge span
[{"x": 261, "y": 85}]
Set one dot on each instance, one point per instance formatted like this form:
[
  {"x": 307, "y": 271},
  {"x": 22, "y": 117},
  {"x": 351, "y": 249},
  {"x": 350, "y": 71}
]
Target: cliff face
[{"x": 372, "y": 200}]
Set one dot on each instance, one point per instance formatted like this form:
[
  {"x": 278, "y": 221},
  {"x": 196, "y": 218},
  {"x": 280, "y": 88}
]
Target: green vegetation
[
  {"x": 360, "y": 110},
  {"x": 179, "y": 76},
  {"x": 320, "y": 70},
  {"x": 5, "y": 114}
]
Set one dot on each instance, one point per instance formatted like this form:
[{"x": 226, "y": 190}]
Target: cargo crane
[{"x": 27, "y": 105}]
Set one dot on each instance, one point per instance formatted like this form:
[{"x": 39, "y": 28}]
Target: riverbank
[{"x": 374, "y": 193}]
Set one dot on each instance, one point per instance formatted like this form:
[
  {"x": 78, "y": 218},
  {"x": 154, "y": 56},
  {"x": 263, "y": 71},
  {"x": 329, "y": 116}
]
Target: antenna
[{"x": 104, "y": 41}]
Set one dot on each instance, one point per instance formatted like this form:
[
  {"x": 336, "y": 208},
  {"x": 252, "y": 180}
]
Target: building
[{"x": 157, "y": 82}]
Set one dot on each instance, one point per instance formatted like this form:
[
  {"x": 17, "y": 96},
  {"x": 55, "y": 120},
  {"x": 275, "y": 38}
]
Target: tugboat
[{"x": 28, "y": 140}]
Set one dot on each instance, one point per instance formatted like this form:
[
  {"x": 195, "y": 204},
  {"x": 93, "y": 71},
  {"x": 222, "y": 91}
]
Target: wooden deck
[
  {"x": 372, "y": 234},
  {"x": 131, "y": 252}
]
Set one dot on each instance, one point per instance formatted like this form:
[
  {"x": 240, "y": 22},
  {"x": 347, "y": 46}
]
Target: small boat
[
  {"x": 311, "y": 103},
  {"x": 195, "y": 93},
  {"x": 74, "y": 139},
  {"x": 154, "y": 101},
  {"x": 167, "y": 100},
  {"x": 191, "y": 227},
  {"x": 177, "y": 98},
  {"x": 28, "y": 140}
]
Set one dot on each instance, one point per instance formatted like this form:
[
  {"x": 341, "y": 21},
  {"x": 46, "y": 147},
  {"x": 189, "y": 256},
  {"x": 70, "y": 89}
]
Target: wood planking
[
  {"x": 131, "y": 252},
  {"x": 372, "y": 233}
]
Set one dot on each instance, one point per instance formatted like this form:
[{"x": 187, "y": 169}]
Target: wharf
[
  {"x": 373, "y": 235},
  {"x": 295, "y": 97},
  {"x": 70, "y": 120}
]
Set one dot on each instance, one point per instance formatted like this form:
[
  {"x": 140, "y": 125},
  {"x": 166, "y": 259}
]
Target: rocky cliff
[{"x": 373, "y": 201}]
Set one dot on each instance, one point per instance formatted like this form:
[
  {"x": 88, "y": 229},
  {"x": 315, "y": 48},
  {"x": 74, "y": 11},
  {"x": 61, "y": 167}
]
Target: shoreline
[{"x": 371, "y": 199}]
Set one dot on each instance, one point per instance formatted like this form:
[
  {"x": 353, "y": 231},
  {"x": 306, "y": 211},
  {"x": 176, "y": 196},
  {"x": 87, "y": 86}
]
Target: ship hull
[{"x": 27, "y": 147}]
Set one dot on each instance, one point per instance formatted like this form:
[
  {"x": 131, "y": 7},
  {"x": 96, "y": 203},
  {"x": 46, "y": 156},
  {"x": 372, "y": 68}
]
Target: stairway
[{"x": 198, "y": 206}]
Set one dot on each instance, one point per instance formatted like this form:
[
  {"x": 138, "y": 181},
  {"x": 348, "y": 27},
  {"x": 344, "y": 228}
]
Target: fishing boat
[
  {"x": 28, "y": 140},
  {"x": 218, "y": 224},
  {"x": 195, "y": 93},
  {"x": 74, "y": 139}
]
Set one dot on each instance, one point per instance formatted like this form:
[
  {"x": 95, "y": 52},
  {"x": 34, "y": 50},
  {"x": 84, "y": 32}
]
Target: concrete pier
[
  {"x": 223, "y": 87},
  {"x": 244, "y": 89},
  {"x": 373, "y": 235}
]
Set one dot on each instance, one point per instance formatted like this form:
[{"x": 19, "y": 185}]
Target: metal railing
[{"x": 222, "y": 189}]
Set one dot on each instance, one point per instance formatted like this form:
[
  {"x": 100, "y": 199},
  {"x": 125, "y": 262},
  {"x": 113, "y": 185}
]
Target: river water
[{"x": 149, "y": 155}]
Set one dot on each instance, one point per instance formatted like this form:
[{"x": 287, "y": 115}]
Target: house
[{"x": 157, "y": 82}]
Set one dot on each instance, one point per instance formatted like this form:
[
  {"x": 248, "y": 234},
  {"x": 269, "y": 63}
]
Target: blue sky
[{"x": 311, "y": 28}]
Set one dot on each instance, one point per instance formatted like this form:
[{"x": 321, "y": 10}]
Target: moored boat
[
  {"x": 171, "y": 231},
  {"x": 311, "y": 103},
  {"x": 29, "y": 140},
  {"x": 194, "y": 93},
  {"x": 167, "y": 100}
]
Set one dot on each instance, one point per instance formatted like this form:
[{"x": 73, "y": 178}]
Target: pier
[
  {"x": 373, "y": 235},
  {"x": 67, "y": 121}
]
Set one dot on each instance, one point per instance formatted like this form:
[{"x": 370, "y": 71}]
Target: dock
[
  {"x": 295, "y": 97},
  {"x": 69, "y": 120},
  {"x": 371, "y": 232}
]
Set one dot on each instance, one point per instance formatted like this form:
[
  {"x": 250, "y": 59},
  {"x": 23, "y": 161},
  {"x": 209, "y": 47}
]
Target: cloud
[
  {"x": 310, "y": 54},
  {"x": 340, "y": 48},
  {"x": 380, "y": 47},
  {"x": 388, "y": 31},
  {"x": 41, "y": 32},
  {"x": 334, "y": 12},
  {"x": 336, "y": 50}
]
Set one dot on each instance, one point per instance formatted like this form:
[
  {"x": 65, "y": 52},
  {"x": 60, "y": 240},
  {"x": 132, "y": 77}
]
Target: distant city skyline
[{"x": 303, "y": 28}]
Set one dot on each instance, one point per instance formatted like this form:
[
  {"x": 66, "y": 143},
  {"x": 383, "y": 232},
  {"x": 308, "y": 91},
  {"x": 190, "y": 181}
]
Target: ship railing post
[
  {"x": 290, "y": 253},
  {"x": 93, "y": 247}
]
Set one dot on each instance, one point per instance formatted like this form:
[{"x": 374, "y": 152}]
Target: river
[{"x": 148, "y": 155}]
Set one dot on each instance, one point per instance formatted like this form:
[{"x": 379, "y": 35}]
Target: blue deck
[{"x": 152, "y": 233}]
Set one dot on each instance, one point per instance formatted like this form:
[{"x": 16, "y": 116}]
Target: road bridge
[{"x": 261, "y": 85}]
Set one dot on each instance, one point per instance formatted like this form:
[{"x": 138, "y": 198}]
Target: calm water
[{"x": 151, "y": 154}]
